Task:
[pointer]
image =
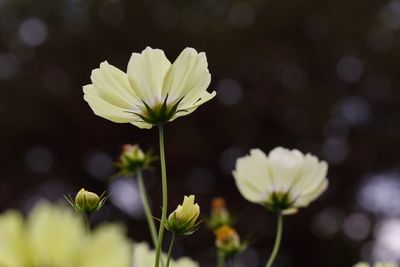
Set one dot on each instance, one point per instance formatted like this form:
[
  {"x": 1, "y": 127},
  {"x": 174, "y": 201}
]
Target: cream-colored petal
[
  {"x": 290, "y": 211},
  {"x": 248, "y": 190},
  {"x": 55, "y": 235},
  {"x": 252, "y": 176},
  {"x": 184, "y": 262},
  {"x": 187, "y": 79},
  {"x": 143, "y": 256},
  {"x": 112, "y": 85},
  {"x": 305, "y": 199},
  {"x": 13, "y": 249},
  {"x": 107, "y": 247},
  {"x": 314, "y": 178},
  {"x": 286, "y": 166},
  {"x": 306, "y": 178},
  {"x": 146, "y": 72},
  {"x": 189, "y": 109},
  {"x": 111, "y": 96},
  {"x": 109, "y": 111}
]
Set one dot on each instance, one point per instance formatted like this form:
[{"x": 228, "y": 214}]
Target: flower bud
[
  {"x": 87, "y": 201},
  {"x": 183, "y": 220},
  {"x": 219, "y": 214},
  {"x": 227, "y": 240},
  {"x": 133, "y": 158}
]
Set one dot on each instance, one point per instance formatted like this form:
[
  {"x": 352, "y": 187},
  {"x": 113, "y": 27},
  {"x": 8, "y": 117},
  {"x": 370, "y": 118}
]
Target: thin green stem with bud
[
  {"x": 171, "y": 245},
  {"x": 220, "y": 258},
  {"x": 164, "y": 196},
  {"x": 277, "y": 241},
  {"x": 146, "y": 207}
]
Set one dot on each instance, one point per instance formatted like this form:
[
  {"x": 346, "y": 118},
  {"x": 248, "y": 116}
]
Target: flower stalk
[
  {"x": 171, "y": 245},
  {"x": 220, "y": 259},
  {"x": 146, "y": 207},
  {"x": 278, "y": 240},
  {"x": 88, "y": 221},
  {"x": 164, "y": 196}
]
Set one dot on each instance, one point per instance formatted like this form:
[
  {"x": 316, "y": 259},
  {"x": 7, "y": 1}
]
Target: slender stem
[
  {"x": 171, "y": 245},
  {"x": 220, "y": 259},
  {"x": 236, "y": 260},
  {"x": 277, "y": 241},
  {"x": 87, "y": 216},
  {"x": 164, "y": 196},
  {"x": 146, "y": 207}
]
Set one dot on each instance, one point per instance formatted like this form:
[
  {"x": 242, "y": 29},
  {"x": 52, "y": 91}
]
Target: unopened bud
[
  {"x": 87, "y": 201},
  {"x": 183, "y": 221},
  {"x": 133, "y": 158},
  {"x": 227, "y": 240}
]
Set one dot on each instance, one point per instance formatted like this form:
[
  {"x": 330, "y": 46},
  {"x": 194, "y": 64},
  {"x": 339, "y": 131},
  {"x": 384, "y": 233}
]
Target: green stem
[
  {"x": 164, "y": 196},
  {"x": 220, "y": 259},
  {"x": 88, "y": 216},
  {"x": 236, "y": 260},
  {"x": 171, "y": 245},
  {"x": 146, "y": 207},
  {"x": 277, "y": 241}
]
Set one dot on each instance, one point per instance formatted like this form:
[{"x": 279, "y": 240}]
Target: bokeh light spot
[
  {"x": 229, "y": 92},
  {"x": 39, "y": 159},
  {"x": 33, "y": 31}
]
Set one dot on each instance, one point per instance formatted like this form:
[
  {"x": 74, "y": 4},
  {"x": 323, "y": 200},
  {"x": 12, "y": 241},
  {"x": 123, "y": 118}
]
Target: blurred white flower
[
  {"x": 153, "y": 91},
  {"x": 377, "y": 264},
  {"x": 143, "y": 256},
  {"x": 56, "y": 236},
  {"x": 283, "y": 181}
]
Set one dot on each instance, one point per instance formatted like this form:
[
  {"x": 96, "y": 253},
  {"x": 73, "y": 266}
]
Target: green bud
[
  {"x": 132, "y": 159},
  {"x": 87, "y": 201},
  {"x": 219, "y": 214}
]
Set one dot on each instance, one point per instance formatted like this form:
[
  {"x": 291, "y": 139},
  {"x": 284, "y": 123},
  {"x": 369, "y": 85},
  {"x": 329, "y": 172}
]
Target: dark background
[{"x": 320, "y": 76}]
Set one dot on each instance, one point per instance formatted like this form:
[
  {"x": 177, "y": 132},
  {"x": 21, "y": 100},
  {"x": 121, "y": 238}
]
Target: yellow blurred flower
[
  {"x": 227, "y": 240},
  {"x": 152, "y": 91},
  {"x": 283, "y": 181},
  {"x": 377, "y": 264},
  {"x": 182, "y": 221},
  {"x": 143, "y": 256},
  {"x": 56, "y": 236}
]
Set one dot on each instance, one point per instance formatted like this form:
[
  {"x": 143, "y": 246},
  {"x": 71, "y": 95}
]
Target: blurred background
[{"x": 320, "y": 76}]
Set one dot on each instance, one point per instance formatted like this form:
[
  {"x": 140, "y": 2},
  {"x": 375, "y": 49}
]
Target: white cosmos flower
[
  {"x": 377, "y": 264},
  {"x": 282, "y": 181},
  {"x": 56, "y": 236},
  {"x": 143, "y": 256},
  {"x": 152, "y": 91}
]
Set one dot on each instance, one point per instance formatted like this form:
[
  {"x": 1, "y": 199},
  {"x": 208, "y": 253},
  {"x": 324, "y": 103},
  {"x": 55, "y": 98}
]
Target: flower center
[
  {"x": 279, "y": 201},
  {"x": 159, "y": 113}
]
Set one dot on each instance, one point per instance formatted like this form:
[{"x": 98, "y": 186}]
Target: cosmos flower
[
  {"x": 143, "y": 256},
  {"x": 377, "y": 264},
  {"x": 152, "y": 91},
  {"x": 56, "y": 236},
  {"x": 283, "y": 181}
]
